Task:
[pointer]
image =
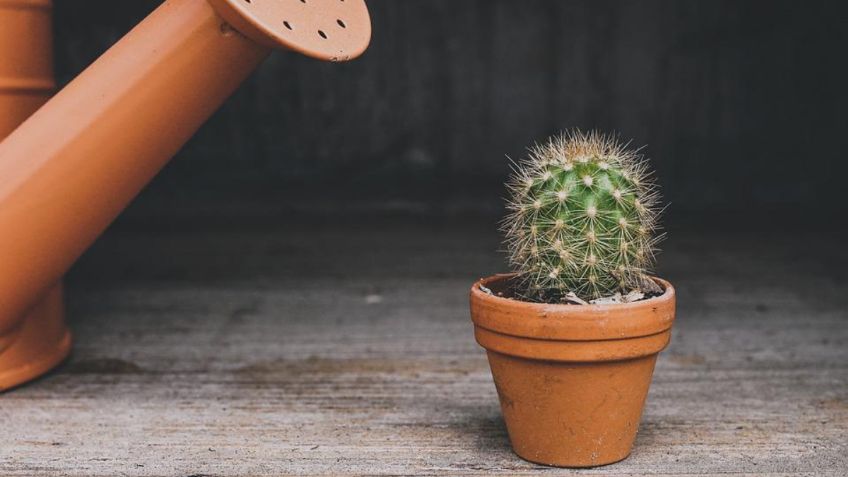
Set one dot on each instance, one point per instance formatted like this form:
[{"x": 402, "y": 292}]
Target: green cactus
[{"x": 582, "y": 219}]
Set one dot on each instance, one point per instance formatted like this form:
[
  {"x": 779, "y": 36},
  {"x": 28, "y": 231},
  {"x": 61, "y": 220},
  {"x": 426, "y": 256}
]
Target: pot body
[{"x": 572, "y": 380}]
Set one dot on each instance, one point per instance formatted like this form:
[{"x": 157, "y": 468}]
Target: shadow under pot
[{"x": 572, "y": 379}]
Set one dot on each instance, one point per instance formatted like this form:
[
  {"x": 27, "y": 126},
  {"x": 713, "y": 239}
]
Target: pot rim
[{"x": 562, "y": 322}]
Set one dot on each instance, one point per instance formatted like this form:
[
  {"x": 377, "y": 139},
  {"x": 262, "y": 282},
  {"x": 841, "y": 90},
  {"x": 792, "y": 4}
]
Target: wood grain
[{"x": 302, "y": 348}]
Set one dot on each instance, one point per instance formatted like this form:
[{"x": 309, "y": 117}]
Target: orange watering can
[{"x": 72, "y": 167}]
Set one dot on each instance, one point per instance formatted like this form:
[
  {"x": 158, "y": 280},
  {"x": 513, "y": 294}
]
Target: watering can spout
[{"x": 74, "y": 165}]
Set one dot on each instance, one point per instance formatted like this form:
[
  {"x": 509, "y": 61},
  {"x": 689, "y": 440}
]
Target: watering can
[{"x": 69, "y": 169}]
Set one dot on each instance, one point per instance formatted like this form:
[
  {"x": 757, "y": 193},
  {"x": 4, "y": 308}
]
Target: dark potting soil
[{"x": 509, "y": 289}]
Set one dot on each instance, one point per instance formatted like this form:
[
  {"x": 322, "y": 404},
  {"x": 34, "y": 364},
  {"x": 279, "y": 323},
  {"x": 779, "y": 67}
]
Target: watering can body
[{"x": 41, "y": 339}]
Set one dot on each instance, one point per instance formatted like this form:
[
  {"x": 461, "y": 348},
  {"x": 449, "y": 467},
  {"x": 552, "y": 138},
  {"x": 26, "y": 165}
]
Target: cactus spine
[{"x": 582, "y": 219}]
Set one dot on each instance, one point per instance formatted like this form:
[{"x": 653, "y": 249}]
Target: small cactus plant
[{"x": 582, "y": 219}]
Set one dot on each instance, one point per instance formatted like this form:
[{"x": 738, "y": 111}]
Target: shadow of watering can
[{"x": 74, "y": 165}]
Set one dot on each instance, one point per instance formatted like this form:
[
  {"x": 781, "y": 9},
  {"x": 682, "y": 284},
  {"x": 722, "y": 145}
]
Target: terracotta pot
[{"x": 572, "y": 379}]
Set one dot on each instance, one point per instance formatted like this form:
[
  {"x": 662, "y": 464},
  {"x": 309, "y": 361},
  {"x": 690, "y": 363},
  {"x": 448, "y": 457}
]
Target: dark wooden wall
[{"x": 742, "y": 103}]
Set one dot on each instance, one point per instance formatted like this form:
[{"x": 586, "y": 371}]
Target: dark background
[{"x": 741, "y": 104}]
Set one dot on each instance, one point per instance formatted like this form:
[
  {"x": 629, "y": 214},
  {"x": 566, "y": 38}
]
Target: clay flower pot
[{"x": 571, "y": 379}]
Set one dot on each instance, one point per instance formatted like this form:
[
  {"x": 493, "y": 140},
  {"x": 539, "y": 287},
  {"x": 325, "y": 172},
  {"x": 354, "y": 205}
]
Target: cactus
[{"x": 582, "y": 219}]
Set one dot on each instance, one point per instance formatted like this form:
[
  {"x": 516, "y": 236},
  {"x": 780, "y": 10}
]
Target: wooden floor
[{"x": 306, "y": 348}]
